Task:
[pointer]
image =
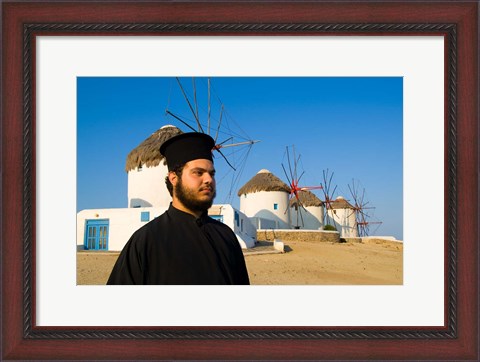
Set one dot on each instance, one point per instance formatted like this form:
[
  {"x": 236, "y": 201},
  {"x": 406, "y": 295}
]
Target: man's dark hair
[{"x": 178, "y": 169}]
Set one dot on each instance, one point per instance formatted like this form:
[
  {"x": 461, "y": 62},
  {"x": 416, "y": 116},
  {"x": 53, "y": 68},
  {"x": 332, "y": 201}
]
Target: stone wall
[
  {"x": 353, "y": 240},
  {"x": 299, "y": 235},
  {"x": 372, "y": 240}
]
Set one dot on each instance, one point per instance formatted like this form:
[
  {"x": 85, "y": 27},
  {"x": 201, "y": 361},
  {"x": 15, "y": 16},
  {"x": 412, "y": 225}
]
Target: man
[{"x": 184, "y": 246}]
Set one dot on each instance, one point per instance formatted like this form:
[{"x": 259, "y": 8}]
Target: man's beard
[{"x": 188, "y": 199}]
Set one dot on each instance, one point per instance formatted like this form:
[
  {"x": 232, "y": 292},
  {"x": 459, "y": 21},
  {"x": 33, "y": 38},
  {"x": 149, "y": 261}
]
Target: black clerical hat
[{"x": 185, "y": 147}]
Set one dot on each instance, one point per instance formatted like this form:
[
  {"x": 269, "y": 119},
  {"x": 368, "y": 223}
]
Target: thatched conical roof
[
  {"x": 148, "y": 152},
  {"x": 307, "y": 199},
  {"x": 340, "y": 203},
  {"x": 264, "y": 180}
]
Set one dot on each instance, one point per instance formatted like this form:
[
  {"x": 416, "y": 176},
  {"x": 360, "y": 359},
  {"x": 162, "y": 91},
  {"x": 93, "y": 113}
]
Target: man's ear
[{"x": 173, "y": 177}]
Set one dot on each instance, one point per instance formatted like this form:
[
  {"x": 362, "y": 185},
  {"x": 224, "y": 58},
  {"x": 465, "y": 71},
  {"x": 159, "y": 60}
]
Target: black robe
[{"x": 177, "y": 248}]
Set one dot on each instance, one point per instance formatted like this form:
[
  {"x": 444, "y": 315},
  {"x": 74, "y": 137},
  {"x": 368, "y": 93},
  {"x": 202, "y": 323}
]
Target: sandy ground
[
  {"x": 373, "y": 262},
  {"x": 329, "y": 264}
]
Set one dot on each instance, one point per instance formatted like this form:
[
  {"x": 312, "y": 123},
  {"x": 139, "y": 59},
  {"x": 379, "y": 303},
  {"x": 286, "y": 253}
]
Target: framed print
[{"x": 47, "y": 47}]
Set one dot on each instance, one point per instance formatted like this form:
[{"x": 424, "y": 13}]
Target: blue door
[{"x": 96, "y": 234}]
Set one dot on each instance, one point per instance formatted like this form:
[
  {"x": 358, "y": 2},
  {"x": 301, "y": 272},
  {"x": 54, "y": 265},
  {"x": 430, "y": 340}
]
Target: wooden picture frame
[{"x": 457, "y": 22}]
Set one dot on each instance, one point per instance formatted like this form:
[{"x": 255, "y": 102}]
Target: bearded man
[{"x": 184, "y": 246}]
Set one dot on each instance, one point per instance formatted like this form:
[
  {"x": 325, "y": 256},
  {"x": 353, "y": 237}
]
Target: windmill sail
[
  {"x": 197, "y": 111},
  {"x": 362, "y": 211},
  {"x": 297, "y": 192}
]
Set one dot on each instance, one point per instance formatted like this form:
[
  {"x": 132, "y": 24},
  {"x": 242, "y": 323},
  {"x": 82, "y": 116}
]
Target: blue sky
[{"x": 350, "y": 126}]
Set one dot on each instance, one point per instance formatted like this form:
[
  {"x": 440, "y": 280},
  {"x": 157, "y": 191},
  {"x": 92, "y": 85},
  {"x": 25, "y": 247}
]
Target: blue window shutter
[{"x": 145, "y": 216}]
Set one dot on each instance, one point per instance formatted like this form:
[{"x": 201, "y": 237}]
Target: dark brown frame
[{"x": 456, "y": 21}]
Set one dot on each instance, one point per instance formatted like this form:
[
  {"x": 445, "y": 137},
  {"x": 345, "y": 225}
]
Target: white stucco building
[
  {"x": 310, "y": 216},
  {"x": 147, "y": 169},
  {"x": 148, "y": 198},
  {"x": 146, "y": 183},
  {"x": 110, "y": 229},
  {"x": 264, "y": 199},
  {"x": 342, "y": 213},
  {"x": 239, "y": 222}
]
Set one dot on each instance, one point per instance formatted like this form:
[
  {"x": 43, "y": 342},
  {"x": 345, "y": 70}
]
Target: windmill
[
  {"x": 232, "y": 145},
  {"x": 328, "y": 198},
  {"x": 295, "y": 197},
  {"x": 360, "y": 209}
]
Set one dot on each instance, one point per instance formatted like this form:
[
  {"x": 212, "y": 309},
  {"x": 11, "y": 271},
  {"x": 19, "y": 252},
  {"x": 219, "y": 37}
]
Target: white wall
[
  {"x": 344, "y": 220},
  {"x": 317, "y": 216},
  {"x": 261, "y": 223},
  {"x": 312, "y": 217},
  {"x": 124, "y": 222},
  {"x": 261, "y": 205},
  {"x": 146, "y": 188},
  {"x": 244, "y": 230}
]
